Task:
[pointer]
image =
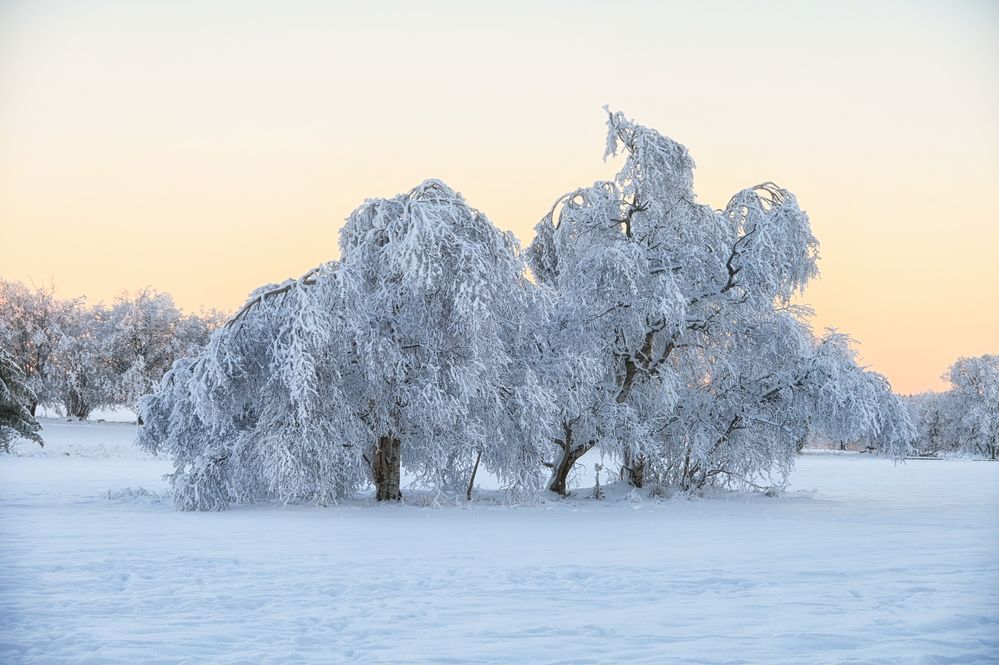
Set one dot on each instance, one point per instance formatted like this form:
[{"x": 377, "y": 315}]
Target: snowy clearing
[{"x": 861, "y": 561}]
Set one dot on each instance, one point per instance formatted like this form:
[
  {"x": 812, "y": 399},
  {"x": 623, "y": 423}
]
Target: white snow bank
[{"x": 862, "y": 561}]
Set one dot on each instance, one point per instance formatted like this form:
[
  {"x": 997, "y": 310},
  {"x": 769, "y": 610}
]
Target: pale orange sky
[{"x": 206, "y": 148}]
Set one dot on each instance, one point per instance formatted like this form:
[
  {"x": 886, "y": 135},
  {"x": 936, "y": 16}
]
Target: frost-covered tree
[
  {"x": 60, "y": 345},
  {"x": 932, "y": 413},
  {"x": 77, "y": 357},
  {"x": 853, "y": 404},
  {"x": 684, "y": 315},
  {"x": 32, "y": 323},
  {"x": 974, "y": 398},
  {"x": 260, "y": 412},
  {"x": 965, "y": 418},
  {"x": 747, "y": 403},
  {"x": 82, "y": 374},
  {"x": 16, "y": 399},
  {"x": 414, "y": 351},
  {"x": 437, "y": 302},
  {"x": 146, "y": 334}
]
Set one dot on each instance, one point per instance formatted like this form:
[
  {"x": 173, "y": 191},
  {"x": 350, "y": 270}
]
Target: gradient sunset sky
[{"x": 206, "y": 148}]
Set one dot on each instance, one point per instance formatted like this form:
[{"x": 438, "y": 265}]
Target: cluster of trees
[
  {"x": 77, "y": 358},
  {"x": 639, "y": 324},
  {"x": 964, "y": 419}
]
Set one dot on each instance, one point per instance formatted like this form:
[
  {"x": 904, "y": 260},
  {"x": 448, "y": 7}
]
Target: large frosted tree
[
  {"x": 252, "y": 415},
  {"x": 411, "y": 352},
  {"x": 437, "y": 302},
  {"x": 695, "y": 348}
]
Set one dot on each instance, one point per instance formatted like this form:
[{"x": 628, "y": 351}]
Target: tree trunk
[
  {"x": 76, "y": 406},
  {"x": 386, "y": 470},
  {"x": 562, "y": 468},
  {"x": 633, "y": 468},
  {"x": 560, "y": 474},
  {"x": 33, "y": 408}
]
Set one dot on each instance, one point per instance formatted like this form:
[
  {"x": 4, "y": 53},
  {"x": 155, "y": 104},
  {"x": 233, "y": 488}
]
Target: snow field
[{"x": 861, "y": 561}]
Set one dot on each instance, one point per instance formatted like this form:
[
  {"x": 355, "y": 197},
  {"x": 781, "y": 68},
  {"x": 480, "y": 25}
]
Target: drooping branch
[{"x": 308, "y": 279}]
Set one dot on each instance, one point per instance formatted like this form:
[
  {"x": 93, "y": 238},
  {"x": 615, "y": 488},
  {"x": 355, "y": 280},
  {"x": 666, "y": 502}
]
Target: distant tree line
[
  {"x": 965, "y": 418},
  {"x": 74, "y": 358}
]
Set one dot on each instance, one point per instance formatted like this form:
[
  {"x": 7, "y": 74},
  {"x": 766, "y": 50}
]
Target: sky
[{"x": 207, "y": 148}]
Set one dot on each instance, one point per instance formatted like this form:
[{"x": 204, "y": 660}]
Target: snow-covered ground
[
  {"x": 113, "y": 415},
  {"x": 861, "y": 561}
]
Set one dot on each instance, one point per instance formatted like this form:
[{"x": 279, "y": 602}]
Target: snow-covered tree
[
  {"x": 413, "y": 351},
  {"x": 974, "y": 400},
  {"x": 59, "y": 344},
  {"x": 82, "y": 374},
  {"x": 853, "y": 404},
  {"x": 933, "y": 416},
  {"x": 146, "y": 334},
  {"x": 32, "y": 322},
  {"x": 437, "y": 300},
  {"x": 965, "y": 418},
  {"x": 77, "y": 357},
  {"x": 746, "y": 405},
  {"x": 16, "y": 399},
  {"x": 684, "y": 312},
  {"x": 260, "y": 411}
]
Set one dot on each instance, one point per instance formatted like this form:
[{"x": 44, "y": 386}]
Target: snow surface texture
[{"x": 862, "y": 561}]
